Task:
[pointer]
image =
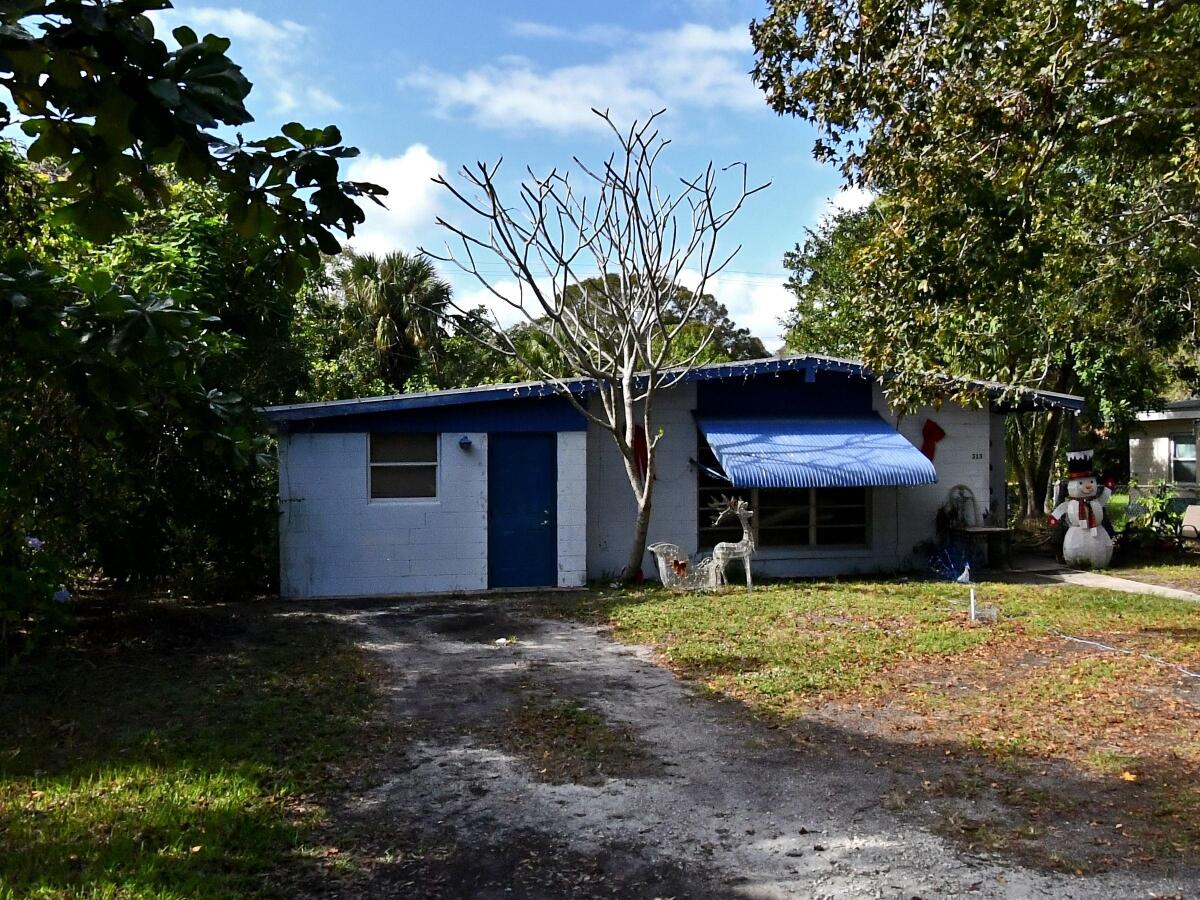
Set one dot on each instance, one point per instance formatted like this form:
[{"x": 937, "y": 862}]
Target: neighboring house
[
  {"x": 509, "y": 486},
  {"x": 1162, "y": 446}
]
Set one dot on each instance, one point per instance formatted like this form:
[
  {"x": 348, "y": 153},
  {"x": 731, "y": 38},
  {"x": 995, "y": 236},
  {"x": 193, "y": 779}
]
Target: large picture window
[
  {"x": 1183, "y": 457},
  {"x": 403, "y": 466},
  {"x": 783, "y": 517}
]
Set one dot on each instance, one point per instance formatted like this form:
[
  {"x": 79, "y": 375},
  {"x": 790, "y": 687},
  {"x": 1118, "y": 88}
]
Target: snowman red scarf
[{"x": 1087, "y": 513}]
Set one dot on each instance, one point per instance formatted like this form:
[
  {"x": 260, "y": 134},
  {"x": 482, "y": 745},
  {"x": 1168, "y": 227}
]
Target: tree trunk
[
  {"x": 1033, "y": 443},
  {"x": 1033, "y": 454},
  {"x": 642, "y": 483},
  {"x": 637, "y": 550},
  {"x": 1022, "y": 491},
  {"x": 1040, "y": 481}
]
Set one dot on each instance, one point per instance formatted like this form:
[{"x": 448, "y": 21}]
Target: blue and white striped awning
[{"x": 852, "y": 451}]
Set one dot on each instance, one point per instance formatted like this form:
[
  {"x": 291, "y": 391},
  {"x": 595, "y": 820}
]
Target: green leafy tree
[
  {"x": 827, "y": 315},
  {"x": 123, "y": 364},
  {"x": 709, "y": 334},
  {"x": 140, "y": 455},
  {"x": 372, "y": 325},
  {"x": 98, "y": 91},
  {"x": 465, "y": 359},
  {"x": 398, "y": 303},
  {"x": 705, "y": 332},
  {"x": 340, "y": 362},
  {"x": 1037, "y": 166}
]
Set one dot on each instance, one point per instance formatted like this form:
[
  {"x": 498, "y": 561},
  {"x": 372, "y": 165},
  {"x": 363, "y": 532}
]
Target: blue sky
[{"x": 423, "y": 88}]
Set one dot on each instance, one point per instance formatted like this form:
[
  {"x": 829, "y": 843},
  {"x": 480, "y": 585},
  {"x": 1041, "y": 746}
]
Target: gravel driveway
[{"x": 719, "y": 805}]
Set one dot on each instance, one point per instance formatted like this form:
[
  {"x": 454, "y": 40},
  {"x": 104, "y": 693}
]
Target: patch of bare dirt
[
  {"x": 565, "y": 741},
  {"x": 863, "y": 800},
  {"x": 1027, "y": 730}
]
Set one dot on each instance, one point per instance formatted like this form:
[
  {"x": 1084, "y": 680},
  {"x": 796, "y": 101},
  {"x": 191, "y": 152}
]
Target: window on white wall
[
  {"x": 783, "y": 517},
  {"x": 1183, "y": 457},
  {"x": 403, "y": 466}
]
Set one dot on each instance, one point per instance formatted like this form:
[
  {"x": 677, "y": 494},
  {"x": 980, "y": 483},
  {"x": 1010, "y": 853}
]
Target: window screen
[
  {"x": 403, "y": 466},
  {"x": 1183, "y": 457}
]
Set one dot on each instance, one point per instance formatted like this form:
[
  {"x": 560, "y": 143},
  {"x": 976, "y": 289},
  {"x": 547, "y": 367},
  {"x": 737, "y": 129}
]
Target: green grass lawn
[
  {"x": 1117, "y": 510},
  {"x": 170, "y": 751},
  {"x": 790, "y": 646},
  {"x": 900, "y": 663}
]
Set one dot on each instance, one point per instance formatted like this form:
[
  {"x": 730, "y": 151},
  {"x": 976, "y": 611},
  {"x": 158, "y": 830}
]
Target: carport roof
[{"x": 809, "y": 364}]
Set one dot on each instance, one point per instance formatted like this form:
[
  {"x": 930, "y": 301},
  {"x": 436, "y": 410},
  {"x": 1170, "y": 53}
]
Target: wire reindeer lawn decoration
[
  {"x": 727, "y": 551},
  {"x": 679, "y": 574}
]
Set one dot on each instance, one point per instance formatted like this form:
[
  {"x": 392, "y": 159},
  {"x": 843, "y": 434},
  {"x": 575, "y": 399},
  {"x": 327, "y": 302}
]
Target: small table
[{"x": 995, "y": 541}]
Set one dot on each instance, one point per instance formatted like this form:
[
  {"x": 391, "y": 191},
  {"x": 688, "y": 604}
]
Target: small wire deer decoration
[{"x": 726, "y": 551}]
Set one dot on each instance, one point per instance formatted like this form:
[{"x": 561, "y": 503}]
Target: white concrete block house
[
  {"x": 510, "y": 487},
  {"x": 1162, "y": 447}
]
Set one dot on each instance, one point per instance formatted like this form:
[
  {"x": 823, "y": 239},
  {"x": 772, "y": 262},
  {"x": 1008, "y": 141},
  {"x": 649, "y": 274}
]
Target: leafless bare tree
[{"x": 618, "y": 329}]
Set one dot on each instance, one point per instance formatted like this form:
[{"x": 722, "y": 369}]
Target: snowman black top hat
[{"x": 1079, "y": 463}]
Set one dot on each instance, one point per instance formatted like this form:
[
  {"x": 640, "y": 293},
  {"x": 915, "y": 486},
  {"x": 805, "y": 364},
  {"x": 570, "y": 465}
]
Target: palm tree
[{"x": 400, "y": 303}]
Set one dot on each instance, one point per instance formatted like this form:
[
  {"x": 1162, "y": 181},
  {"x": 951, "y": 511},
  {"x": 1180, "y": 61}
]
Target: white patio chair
[{"x": 1189, "y": 528}]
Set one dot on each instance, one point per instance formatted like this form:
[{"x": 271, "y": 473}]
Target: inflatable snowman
[{"x": 1087, "y": 543}]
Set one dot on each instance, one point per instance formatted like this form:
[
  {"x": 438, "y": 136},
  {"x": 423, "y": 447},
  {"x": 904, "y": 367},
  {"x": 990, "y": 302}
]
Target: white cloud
[
  {"x": 845, "y": 199},
  {"x": 756, "y": 302},
  {"x": 587, "y": 34},
  {"x": 268, "y": 50},
  {"x": 692, "y": 67},
  {"x": 469, "y": 294},
  {"x": 412, "y": 202}
]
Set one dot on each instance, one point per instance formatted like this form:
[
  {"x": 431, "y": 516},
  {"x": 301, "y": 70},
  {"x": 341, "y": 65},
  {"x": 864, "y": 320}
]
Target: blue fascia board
[
  {"x": 426, "y": 400},
  {"x": 1025, "y": 398},
  {"x": 528, "y": 414}
]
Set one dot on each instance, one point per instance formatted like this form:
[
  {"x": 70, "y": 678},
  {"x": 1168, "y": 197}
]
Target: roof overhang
[
  {"x": 1005, "y": 397},
  {"x": 1168, "y": 415},
  {"x": 426, "y": 400}
]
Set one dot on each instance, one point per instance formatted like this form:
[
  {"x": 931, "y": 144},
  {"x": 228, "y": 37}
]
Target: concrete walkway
[{"x": 1043, "y": 570}]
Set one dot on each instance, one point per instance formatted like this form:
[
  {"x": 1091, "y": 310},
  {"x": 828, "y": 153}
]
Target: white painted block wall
[
  {"x": 336, "y": 542},
  {"x": 962, "y": 457},
  {"x": 998, "y": 468},
  {"x": 610, "y": 506},
  {"x": 1150, "y": 449},
  {"x": 901, "y": 518},
  {"x": 572, "y": 508}
]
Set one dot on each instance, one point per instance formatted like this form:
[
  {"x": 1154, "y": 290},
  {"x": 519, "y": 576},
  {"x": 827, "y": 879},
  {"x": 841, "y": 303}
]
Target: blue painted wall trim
[{"x": 511, "y": 416}]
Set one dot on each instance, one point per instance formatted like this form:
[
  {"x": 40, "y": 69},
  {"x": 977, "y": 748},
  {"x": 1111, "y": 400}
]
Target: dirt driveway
[{"x": 542, "y": 759}]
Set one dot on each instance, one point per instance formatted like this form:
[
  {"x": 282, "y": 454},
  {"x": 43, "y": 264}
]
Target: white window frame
[
  {"x": 437, "y": 472},
  {"x": 1176, "y": 458}
]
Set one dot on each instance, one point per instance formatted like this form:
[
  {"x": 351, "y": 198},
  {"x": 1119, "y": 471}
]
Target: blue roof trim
[
  {"x": 850, "y": 451},
  {"x": 539, "y": 414},
  {"x": 400, "y": 402},
  {"x": 775, "y": 365},
  {"x": 1026, "y": 398}
]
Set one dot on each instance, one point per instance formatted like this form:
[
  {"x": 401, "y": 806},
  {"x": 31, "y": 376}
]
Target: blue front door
[{"x": 522, "y": 506}]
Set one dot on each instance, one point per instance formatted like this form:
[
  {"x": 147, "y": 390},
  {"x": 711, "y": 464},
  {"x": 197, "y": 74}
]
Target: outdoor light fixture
[{"x": 464, "y": 442}]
